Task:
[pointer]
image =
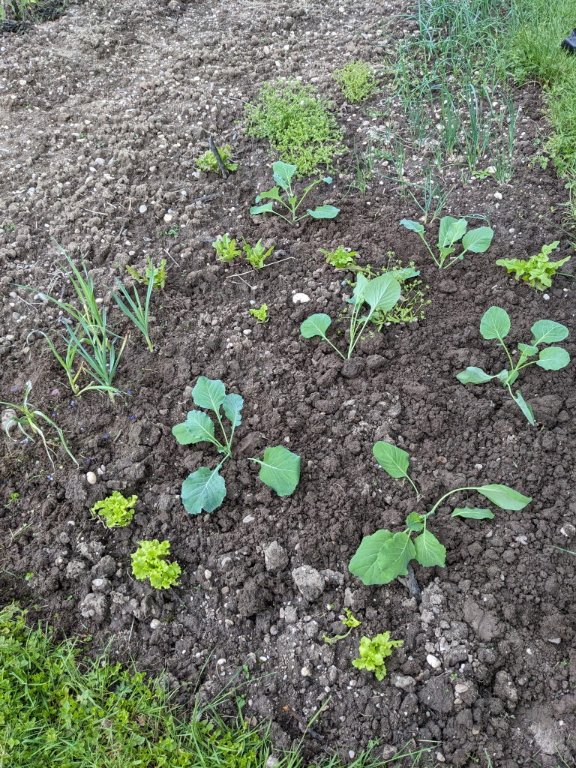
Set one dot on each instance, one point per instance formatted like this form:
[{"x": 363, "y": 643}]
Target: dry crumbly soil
[{"x": 102, "y": 113}]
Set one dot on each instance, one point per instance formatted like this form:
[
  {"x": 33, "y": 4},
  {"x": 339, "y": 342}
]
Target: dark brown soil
[{"x": 103, "y": 112}]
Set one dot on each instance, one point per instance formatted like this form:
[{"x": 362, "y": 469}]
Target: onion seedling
[
  {"x": 27, "y": 420},
  {"x": 495, "y": 324}
]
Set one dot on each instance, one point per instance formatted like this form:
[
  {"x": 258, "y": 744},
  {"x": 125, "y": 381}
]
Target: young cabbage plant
[
  {"x": 289, "y": 200},
  {"x": 453, "y": 231},
  {"x": 379, "y": 294},
  {"x": 385, "y": 555},
  {"x": 205, "y": 489},
  {"x": 495, "y": 324}
]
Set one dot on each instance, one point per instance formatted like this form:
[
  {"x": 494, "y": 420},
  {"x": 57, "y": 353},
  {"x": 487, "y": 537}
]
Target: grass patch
[
  {"x": 534, "y": 53},
  {"x": 298, "y": 124},
  {"x": 58, "y": 710}
]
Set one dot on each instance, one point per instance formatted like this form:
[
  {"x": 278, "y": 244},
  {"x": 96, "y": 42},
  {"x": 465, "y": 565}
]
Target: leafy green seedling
[
  {"x": 208, "y": 163},
  {"x": 372, "y": 652},
  {"x": 453, "y": 231},
  {"x": 260, "y": 313},
  {"x": 340, "y": 258},
  {"x": 384, "y": 555},
  {"x": 357, "y": 81},
  {"x": 116, "y": 511},
  {"x": 257, "y": 254},
  {"x": 379, "y": 294},
  {"x": 350, "y": 621},
  {"x": 205, "y": 489},
  {"x": 495, "y": 324},
  {"x": 538, "y": 271},
  {"x": 226, "y": 248},
  {"x": 288, "y": 199},
  {"x": 149, "y": 562},
  {"x": 152, "y": 272}
]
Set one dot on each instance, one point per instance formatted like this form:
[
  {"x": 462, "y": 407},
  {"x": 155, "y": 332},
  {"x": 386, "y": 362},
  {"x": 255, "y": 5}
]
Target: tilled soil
[{"x": 103, "y": 113}]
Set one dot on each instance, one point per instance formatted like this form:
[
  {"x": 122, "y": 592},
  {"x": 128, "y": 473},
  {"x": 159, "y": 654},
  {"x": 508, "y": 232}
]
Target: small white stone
[
  {"x": 168, "y": 218},
  {"x": 91, "y": 478},
  {"x": 143, "y": 208},
  {"x": 498, "y": 195},
  {"x": 300, "y": 298},
  {"x": 306, "y": 672},
  {"x": 434, "y": 662},
  {"x": 248, "y": 519},
  {"x": 546, "y": 297},
  {"x": 207, "y": 574},
  {"x": 155, "y": 624},
  {"x": 461, "y": 688}
]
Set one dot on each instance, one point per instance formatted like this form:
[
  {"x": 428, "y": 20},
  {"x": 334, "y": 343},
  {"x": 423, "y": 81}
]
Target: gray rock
[
  {"x": 94, "y": 607},
  {"x": 404, "y": 682},
  {"x": 275, "y": 557},
  {"x": 309, "y": 582},
  {"x": 75, "y": 568}
]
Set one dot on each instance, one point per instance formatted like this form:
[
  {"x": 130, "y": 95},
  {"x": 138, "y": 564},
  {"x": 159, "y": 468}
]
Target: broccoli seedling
[
  {"x": 208, "y": 163},
  {"x": 205, "y": 489},
  {"x": 261, "y": 313},
  {"x": 115, "y": 511},
  {"x": 149, "y": 562},
  {"x": 451, "y": 232},
  {"x": 380, "y": 294},
  {"x": 384, "y": 556},
  {"x": 372, "y": 652},
  {"x": 538, "y": 271},
  {"x": 291, "y": 203},
  {"x": 226, "y": 248},
  {"x": 495, "y": 324}
]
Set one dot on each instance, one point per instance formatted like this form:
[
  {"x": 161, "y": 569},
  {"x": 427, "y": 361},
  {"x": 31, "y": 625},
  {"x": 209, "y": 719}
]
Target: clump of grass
[
  {"x": 534, "y": 53},
  {"x": 56, "y": 710},
  {"x": 16, "y": 10},
  {"x": 298, "y": 124},
  {"x": 357, "y": 81}
]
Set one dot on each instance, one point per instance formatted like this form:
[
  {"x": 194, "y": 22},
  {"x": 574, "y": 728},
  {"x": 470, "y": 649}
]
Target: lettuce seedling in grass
[
  {"x": 226, "y": 248},
  {"x": 288, "y": 199},
  {"x": 538, "y": 271},
  {"x": 205, "y": 489},
  {"x": 495, "y": 324},
  {"x": 157, "y": 274},
  {"x": 372, "y": 652},
  {"x": 453, "y": 231},
  {"x": 116, "y": 511},
  {"x": 379, "y": 294},
  {"x": 149, "y": 562},
  {"x": 385, "y": 555}
]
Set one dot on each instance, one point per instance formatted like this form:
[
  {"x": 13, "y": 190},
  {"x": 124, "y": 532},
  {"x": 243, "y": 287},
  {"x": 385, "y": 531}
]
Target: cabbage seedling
[
  {"x": 385, "y": 555},
  {"x": 453, "y": 231},
  {"x": 288, "y": 199},
  {"x": 205, "y": 489},
  {"x": 495, "y": 324},
  {"x": 379, "y": 294}
]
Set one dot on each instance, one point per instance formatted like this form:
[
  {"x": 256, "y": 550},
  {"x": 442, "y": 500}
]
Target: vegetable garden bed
[{"x": 104, "y": 113}]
